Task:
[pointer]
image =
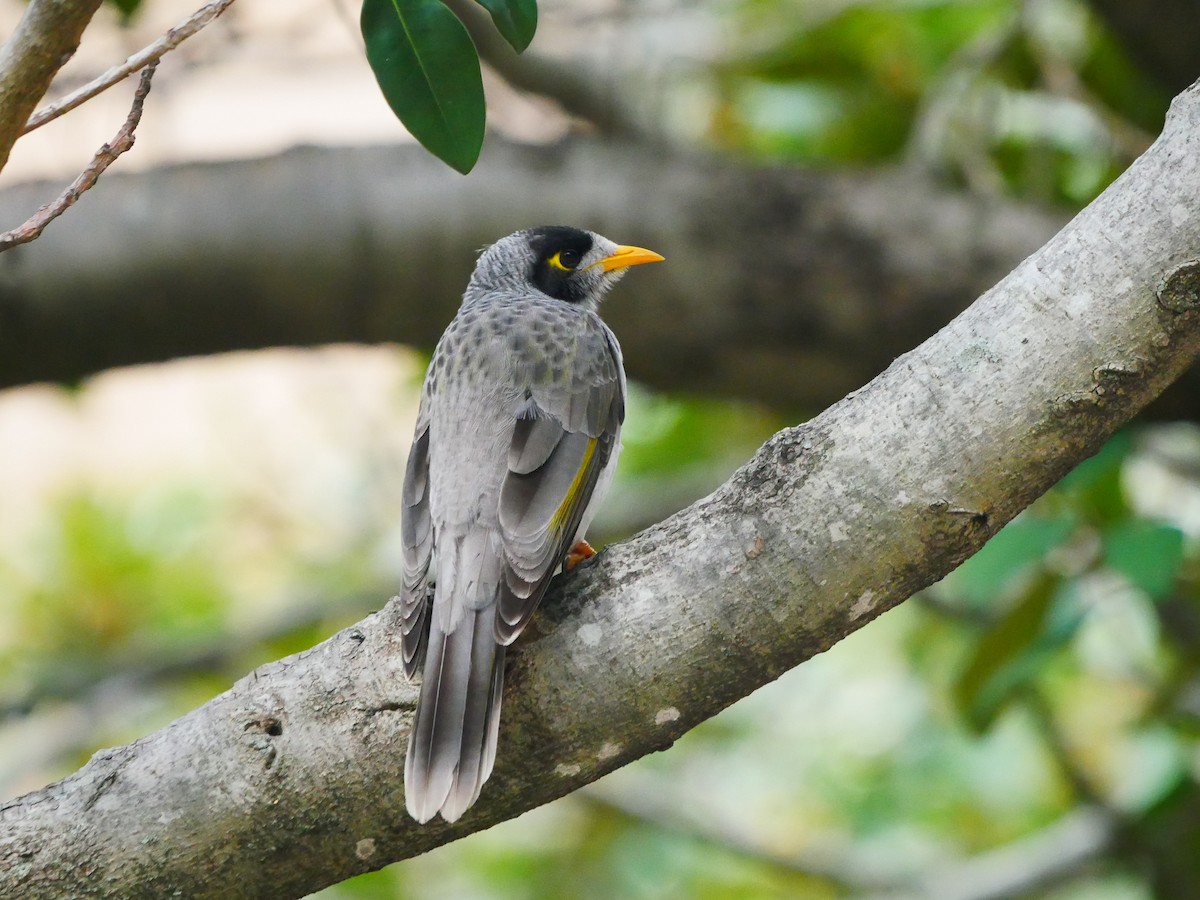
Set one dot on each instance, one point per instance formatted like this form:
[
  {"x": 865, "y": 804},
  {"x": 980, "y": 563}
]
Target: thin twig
[
  {"x": 142, "y": 58},
  {"x": 104, "y": 158}
]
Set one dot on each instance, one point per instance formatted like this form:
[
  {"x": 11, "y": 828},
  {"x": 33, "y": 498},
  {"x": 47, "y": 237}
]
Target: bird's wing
[
  {"x": 416, "y": 539},
  {"x": 563, "y": 439}
]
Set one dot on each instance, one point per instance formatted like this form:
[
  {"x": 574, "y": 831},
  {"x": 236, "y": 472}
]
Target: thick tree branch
[
  {"x": 46, "y": 37},
  {"x": 292, "y": 779},
  {"x": 786, "y": 286}
]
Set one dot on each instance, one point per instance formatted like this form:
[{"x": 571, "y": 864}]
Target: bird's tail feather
[{"x": 452, "y": 746}]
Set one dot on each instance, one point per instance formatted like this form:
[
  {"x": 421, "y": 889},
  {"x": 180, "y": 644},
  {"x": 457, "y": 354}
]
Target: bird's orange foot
[{"x": 581, "y": 551}]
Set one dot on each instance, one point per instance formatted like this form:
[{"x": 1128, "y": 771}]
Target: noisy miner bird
[{"x": 516, "y": 441}]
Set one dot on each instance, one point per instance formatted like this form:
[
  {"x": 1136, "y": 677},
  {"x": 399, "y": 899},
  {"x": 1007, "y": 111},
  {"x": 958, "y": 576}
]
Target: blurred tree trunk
[
  {"x": 784, "y": 286},
  {"x": 781, "y": 285},
  {"x": 291, "y": 780}
]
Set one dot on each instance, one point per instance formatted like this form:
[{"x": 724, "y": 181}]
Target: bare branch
[
  {"x": 46, "y": 37},
  {"x": 139, "y": 60},
  {"x": 105, "y": 157},
  {"x": 291, "y": 780}
]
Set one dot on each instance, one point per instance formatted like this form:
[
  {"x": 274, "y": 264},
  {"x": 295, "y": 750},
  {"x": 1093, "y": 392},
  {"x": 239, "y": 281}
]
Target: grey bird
[{"x": 516, "y": 441}]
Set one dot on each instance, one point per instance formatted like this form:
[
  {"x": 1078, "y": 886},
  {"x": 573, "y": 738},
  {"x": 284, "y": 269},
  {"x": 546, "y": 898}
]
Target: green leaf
[
  {"x": 1147, "y": 553},
  {"x": 516, "y": 20},
  {"x": 428, "y": 70},
  {"x": 1009, "y": 654}
]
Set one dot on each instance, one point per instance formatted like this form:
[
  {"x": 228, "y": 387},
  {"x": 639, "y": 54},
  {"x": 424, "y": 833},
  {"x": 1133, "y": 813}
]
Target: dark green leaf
[
  {"x": 1009, "y": 654},
  {"x": 428, "y": 71},
  {"x": 1147, "y": 553},
  {"x": 516, "y": 20}
]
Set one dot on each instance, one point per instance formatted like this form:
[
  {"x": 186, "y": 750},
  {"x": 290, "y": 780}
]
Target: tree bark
[
  {"x": 786, "y": 286},
  {"x": 46, "y": 37},
  {"x": 291, "y": 780}
]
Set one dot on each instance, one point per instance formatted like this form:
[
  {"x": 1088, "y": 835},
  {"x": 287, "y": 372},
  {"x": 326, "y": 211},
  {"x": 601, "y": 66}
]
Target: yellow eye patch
[{"x": 564, "y": 265}]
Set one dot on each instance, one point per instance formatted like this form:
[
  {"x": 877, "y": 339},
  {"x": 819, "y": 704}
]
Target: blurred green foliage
[
  {"x": 1032, "y": 98},
  {"x": 110, "y": 585},
  {"x": 664, "y": 434},
  {"x": 859, "y": 75}
]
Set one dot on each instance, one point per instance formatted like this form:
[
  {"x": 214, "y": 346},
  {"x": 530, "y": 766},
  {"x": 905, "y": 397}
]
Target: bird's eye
[{"x": 565, "y": 260}]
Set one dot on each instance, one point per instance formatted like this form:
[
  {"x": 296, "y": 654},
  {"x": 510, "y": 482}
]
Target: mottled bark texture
[{"x": 291, "y": 780}]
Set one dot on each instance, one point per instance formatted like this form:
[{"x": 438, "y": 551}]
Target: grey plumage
[{"x": 516, "y": 439}]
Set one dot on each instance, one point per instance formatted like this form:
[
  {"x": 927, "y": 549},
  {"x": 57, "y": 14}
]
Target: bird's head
[{"x": 564, "y": 263}]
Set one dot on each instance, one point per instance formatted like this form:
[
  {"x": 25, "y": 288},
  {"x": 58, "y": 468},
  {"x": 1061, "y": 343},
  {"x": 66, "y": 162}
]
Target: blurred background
[{"x": 1026, "y": 728}]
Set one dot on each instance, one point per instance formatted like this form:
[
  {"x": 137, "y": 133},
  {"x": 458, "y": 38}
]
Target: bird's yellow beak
[{"x": 625, "y": 256}]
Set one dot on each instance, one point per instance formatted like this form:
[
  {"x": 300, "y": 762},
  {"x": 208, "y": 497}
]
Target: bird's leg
[{"x": 581, "y": 551}]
